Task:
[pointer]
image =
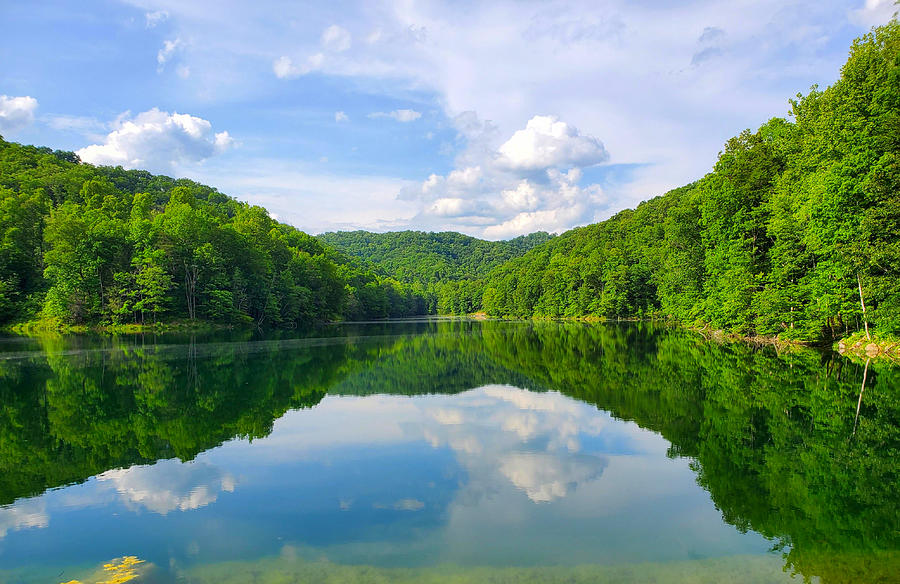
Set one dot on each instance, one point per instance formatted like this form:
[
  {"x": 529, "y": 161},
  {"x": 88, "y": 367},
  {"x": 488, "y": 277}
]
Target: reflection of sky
[
  {"x": 169, "y": 485},
  {"x": 21, "y": 515},
  {"x": 496, "y": 475}
]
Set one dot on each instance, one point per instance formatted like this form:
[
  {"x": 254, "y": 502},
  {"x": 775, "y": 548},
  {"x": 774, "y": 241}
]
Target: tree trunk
[{"x": 863, "y": 304}]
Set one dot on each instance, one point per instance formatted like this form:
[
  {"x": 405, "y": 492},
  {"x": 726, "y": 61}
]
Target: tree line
[
  {"x": 795, "y": 232},
  {"x": 81, "y": 244},
  {"x": 441, "y": 264}
]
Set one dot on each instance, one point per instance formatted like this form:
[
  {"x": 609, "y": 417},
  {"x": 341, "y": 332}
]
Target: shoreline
[{"x": 855, "y": 346}]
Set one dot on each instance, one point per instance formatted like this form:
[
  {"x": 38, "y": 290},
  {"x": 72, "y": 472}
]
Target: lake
[{"x": 446, "y": 451}]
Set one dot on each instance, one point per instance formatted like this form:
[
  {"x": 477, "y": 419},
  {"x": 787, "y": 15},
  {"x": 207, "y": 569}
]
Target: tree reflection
[{"x": 768, "y": 434}]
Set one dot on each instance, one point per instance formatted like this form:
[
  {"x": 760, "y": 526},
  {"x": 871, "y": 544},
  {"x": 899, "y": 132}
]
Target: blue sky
[{"x": 490, "y": 118}]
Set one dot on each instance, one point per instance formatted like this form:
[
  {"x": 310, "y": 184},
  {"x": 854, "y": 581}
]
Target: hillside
[
  {"x": 797, "y": 226},
  {"x": 796, "y": 223},
  {"x": 82, "y": 245},
  {"x": 418, "y": 256}
]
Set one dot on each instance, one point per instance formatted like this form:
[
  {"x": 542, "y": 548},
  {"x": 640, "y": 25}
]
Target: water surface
[{"x": 445, "y": 451}]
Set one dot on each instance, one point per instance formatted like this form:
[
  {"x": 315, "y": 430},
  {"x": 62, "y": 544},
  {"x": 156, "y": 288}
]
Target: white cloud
[
  {"x": 157, "y": 140},
  {"x": 156, "y": 17},
  {"x": 466, "y": 177},
  {"x": 16, "y": 113},
  {"x": 530, "y": 182},
  {"x": 547, "y": 142},
  {"x": 452, "y": 207},
  {"x": 183, "y": 71},
  {"x": 169, "y": 485},
  {"x": 663, "y": 89},
  {"x": 874, "y": 12},
  {"x": 285, "y": 68},
  {"x": 340, "y": 116},
  {"x": 335, "y": 38},
  {"x": 522, "y": 198},
  {"x": 401, "y": 115},
  {"x": 167, "y": 51}
]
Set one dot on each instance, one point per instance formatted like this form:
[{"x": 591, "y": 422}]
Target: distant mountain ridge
[{"x": 428, "y": 257}]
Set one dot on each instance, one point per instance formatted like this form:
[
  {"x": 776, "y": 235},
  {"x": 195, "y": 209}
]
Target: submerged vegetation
[{"x": 118, "y": 571}]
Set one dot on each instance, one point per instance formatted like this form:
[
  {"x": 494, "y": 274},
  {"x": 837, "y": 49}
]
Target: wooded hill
[
  {"x": 81, "y": 244},
  {"x": 796, "y": 227},
  {"x": 418, "y": 256}
]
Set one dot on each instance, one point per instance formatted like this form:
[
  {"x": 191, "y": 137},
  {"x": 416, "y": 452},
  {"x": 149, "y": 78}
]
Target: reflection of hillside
[
  {"x": 67, "y": 418},
  {"x": 443, "y": 363},
  {"x": 771, "y": 436}
]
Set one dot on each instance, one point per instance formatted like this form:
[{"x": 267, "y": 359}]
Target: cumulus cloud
[
  {"x": 340, "y": 116},
  {"x": 169, "y": 485},
  {"x": 156, "y": 17},
  {"x": 16, "y": 112},
  {"x": 529, "y": 182},
  {"x": 401, "y": 115},
  {"x": 157, "y": 140},
  {"x": 546, "y": 142},
  {"x": 662, "y": 89},
  {"x": 335, "y": 38}
]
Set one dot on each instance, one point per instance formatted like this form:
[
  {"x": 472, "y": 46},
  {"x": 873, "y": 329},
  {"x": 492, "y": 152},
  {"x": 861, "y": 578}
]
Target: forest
[
  {"x": 795, "y": 232},
  {"x": 81, "y": 244}
]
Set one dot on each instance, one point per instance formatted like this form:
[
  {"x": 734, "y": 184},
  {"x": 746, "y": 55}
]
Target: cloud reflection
[
  {"x": 169, "y": 485},
  {"x": 23, "y": 514},
  {"x": 545, "y": 477},
  {"x": 530, "y": 440}
]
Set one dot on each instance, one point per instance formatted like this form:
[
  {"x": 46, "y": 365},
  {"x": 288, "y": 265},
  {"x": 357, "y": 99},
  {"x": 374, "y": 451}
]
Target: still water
[{"x": 445, "y": 451}]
